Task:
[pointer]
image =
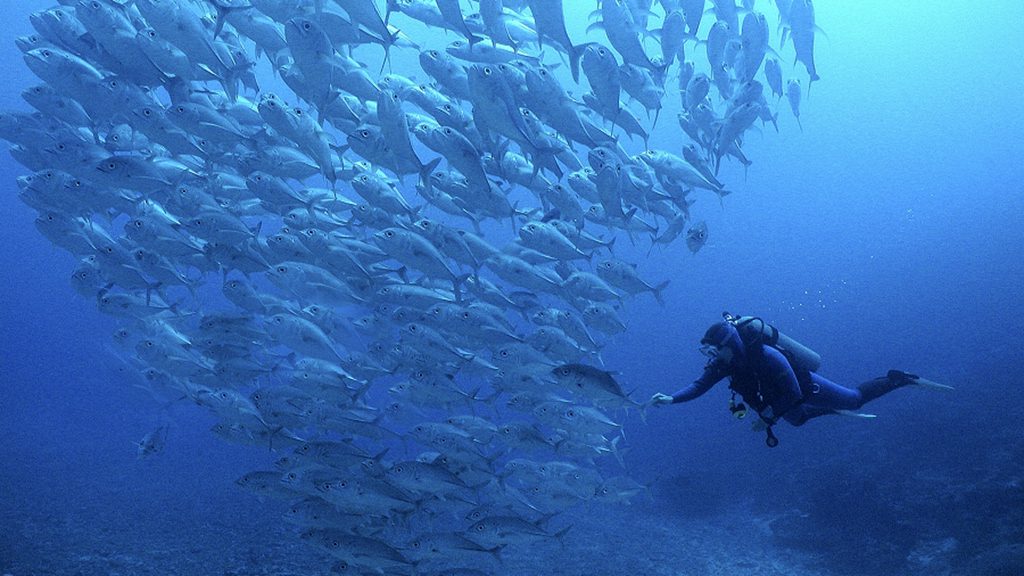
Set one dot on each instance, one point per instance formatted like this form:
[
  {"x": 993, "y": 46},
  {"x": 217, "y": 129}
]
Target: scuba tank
[{"x": 755, "y": 330}]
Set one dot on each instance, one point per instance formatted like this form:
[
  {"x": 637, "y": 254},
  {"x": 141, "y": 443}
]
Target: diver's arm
[
  {"x": 784, "y": 385},
  {"x": 713, "y": 372}
]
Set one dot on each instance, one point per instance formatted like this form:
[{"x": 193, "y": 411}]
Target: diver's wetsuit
[{"x": 766, "y": 378}]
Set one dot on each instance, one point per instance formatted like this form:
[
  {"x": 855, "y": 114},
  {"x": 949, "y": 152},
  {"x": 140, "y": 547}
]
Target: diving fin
[
  {"x": 853, "y": 414},
  {"x": 919, "y": 381}
]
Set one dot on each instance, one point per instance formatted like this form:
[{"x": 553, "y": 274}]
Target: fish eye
[
  {"x": 432, "y": 54},
  {"x": 307, "y": 26},
  {"x": 147, "y": 112},
  {"x": 504, "y": 353},
  {"x": 233, "y": 284},
  {"x": 47, "y": 53},
  {"x": 180, "y": 109},
  {"x": 282, "y": 269},
  {"x": 389, "y": 233},
  {"x": 95, "y": 5},
  {"x": 487, "y": 70},
  {"x": 447, "y": 107},
  {"x": 364, "y": 133}
]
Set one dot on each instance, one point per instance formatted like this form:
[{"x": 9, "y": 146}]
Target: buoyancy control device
[{"x": 753, "y": 329}]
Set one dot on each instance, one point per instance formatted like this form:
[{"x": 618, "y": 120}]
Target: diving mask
[{"x": 709, "y": 350}]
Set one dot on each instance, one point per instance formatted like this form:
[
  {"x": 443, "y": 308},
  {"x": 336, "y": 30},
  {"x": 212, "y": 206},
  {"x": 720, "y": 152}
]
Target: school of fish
[{"x": 400, "y": 280}]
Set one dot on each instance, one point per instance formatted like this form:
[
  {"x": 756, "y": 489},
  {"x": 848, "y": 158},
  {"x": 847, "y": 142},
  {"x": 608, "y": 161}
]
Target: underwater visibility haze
[{"x": 366, "y": 287}]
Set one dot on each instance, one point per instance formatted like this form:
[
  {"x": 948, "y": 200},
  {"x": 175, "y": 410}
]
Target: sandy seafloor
[
  {"x": 188, "y": 525},
  {"x": 101, "y": 537},
  {"x": 93, "y": 539}
]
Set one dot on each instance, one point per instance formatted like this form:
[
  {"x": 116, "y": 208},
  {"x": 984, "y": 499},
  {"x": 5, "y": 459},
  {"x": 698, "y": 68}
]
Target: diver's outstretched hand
[{"x": 659, "y": 399}]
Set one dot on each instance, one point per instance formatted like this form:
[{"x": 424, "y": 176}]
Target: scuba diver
[{"x": 775, "y": 375}]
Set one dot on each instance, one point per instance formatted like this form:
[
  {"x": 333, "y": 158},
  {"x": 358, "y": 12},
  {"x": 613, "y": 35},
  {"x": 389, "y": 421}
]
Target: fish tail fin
[
  {"x": 654, "y": 240},
  {"x": 273, "y": 432},
  {"x": 657, "y": 292},
  {"x": 191, "y": 284},
  {"x": 496, "y": 552},
  {"x": 575, "y": 54},
  {"x": 616, "y": 452},
  {"x": 389, "y": 41},
  {"x": 632, "y": 238},
  {"x": 426, "y": 171},
  {"x": 389, "y": 7},
  {"x": 489, "y": 400},
  {"x": 641, "y": 409},
  {"x": 560, "y": 535},
  {"x": 629, "y": 215},
  {"x": 457, "y": 283}
]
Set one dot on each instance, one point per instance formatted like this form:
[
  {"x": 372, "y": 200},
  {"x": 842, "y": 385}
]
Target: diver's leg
[
  {"x": 827, "y": 397},
  {"x": 881, "y": 386},
  {"x": 825, "y": 393},
  {"x": 799, "y": 415}
]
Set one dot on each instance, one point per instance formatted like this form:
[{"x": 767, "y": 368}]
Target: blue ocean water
[{"x": 888, "y": 233}]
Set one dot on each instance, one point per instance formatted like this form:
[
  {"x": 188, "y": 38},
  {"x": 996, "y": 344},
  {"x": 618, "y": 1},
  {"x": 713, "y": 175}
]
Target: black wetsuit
[{"x": 765, "y": 378}]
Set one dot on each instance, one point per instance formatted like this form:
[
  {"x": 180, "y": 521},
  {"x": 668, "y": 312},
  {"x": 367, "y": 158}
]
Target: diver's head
[{"x": 721, "y": 343}]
